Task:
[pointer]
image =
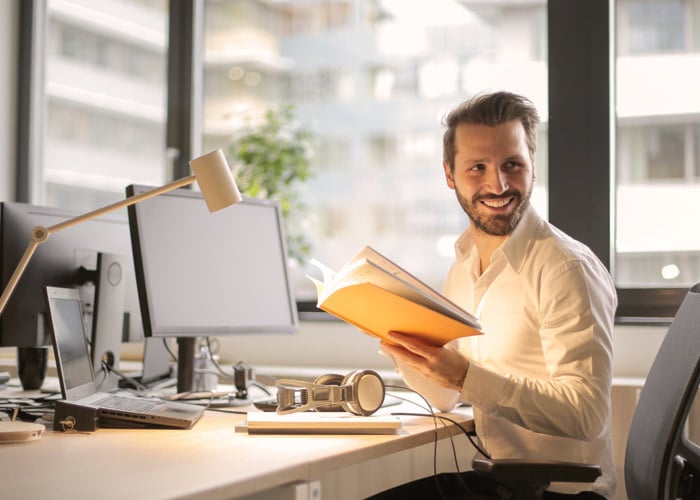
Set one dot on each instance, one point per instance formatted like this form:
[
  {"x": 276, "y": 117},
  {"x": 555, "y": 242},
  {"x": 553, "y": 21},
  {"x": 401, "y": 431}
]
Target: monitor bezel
[
  {"x": 24, "y": 322},
  {"x": 152, "y": 330}
]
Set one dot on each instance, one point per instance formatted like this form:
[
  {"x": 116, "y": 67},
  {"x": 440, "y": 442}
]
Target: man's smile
[{"x": 497, "y": 202}]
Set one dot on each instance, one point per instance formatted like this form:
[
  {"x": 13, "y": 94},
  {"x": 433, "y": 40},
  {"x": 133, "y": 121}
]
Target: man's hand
[{"x": 443, "y": 365}]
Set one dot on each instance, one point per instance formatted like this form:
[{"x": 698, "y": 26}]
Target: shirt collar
[{"x": 514, "y": 248}]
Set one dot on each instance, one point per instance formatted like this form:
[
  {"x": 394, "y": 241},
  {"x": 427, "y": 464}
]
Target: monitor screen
[
  {"x": 210, "y": 274},
  {"x": 58, "y": 262}
]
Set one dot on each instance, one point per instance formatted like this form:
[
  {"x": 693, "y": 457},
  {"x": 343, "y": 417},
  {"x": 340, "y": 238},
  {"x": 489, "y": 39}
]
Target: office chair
[{"x": 660, "y": 462}]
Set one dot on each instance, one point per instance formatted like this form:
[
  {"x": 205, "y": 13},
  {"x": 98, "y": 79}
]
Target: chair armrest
[{"x": 536, "y": 471}]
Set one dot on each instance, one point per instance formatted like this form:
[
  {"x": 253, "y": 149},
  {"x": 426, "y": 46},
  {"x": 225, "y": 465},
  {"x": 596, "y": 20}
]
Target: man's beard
[{"x": 495, "y": 225}]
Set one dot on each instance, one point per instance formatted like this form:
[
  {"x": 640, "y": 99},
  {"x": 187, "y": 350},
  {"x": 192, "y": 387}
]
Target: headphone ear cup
[
  {"x": 329, "y": 379},
  {"x": 368, "y": 392}
]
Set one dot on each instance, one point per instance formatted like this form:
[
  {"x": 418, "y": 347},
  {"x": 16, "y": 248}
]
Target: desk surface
[{"x": 211, "y": 460}]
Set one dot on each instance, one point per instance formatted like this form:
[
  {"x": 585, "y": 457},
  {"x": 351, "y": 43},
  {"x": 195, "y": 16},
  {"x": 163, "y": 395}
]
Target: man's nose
[{"x": 496, "y": 181}]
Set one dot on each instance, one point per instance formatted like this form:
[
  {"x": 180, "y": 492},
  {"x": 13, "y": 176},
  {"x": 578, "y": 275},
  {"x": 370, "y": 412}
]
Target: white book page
[{"x": 369, "y": 266}]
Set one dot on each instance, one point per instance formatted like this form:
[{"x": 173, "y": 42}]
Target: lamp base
[{"x": 20, "y": 432}]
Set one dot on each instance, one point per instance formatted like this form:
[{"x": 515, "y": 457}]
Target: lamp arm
[
  {"x": 185, "y": 181},
  {"x": 40, "y": 234}
]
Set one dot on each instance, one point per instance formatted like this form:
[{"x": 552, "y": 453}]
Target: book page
[
  {"x": 371, "y": 272},
  {"x": 374, "y": 256},
  {"x": 369, "y": 266}
]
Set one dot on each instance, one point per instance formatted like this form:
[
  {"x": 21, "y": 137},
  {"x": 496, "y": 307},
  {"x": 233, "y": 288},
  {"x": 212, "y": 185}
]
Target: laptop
[{"x": 77, "y": 378}]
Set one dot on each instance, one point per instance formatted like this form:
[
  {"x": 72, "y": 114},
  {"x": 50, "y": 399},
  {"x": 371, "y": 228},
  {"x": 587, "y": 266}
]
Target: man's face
[{"x": 493, "y": 175}]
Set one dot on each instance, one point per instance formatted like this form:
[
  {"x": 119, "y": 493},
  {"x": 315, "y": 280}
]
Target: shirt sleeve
[{"x": 576, "y": 315}]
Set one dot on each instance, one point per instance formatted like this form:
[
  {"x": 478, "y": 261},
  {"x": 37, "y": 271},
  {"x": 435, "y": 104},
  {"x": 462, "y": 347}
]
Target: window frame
[
  {"x": 581, "y": 129},
  {"x": 581, "y": 144}
]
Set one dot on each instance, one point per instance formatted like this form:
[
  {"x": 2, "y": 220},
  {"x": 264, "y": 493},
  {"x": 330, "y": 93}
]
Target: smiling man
[{"x": 539, "y": 379}]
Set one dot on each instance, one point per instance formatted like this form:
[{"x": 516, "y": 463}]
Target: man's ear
[{"x": 449, "y": 176}]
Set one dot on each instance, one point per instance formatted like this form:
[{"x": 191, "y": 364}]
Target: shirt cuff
[{"x": 481, "y": 385}]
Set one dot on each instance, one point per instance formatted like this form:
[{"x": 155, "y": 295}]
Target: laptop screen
[{"x": 70, "y": 345}]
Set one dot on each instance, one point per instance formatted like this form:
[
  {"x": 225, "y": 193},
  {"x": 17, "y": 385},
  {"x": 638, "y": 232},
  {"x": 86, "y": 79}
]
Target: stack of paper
[{"x": 319, "y": 423}]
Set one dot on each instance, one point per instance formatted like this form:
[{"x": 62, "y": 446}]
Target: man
[{"x": 539, "y": 379}]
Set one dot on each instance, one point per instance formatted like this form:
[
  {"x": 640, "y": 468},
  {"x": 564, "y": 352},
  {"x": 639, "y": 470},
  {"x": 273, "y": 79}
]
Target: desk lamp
[{"x": 212, "y": 173}]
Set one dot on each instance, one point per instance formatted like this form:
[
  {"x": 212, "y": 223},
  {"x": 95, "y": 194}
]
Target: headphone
[{"x": 360, "y": 392}]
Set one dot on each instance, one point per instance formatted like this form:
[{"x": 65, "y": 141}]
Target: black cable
[
  {"x": 443, "y": 417},
  {"x": 104, "y": 372},
  {"x": 431, "y": 413},
  {"x": 468, "y": 434},
  {"x": 261, "y": 387},
  {"x": 214, "y": 361},
  {"x": 227, "y": 410},
  {"x": 173, "y": 356},
  {"x": 139, "y": 386},
  {"x": 231, "y": 375}
]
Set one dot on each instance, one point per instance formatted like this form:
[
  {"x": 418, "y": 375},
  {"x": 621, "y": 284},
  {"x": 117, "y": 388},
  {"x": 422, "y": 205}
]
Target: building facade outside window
[
  {"x": 658, "y": 160},
  {"x": 105, "y": 91},
  {"x": 373, "y": 79}
]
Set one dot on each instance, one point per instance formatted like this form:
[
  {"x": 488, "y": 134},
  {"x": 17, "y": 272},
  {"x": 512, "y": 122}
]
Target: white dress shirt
[{"x": 540, "y": 377}]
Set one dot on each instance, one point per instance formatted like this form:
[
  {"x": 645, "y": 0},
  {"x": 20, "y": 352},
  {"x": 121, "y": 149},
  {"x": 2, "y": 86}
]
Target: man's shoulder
[{"x": 552, "y": 246}]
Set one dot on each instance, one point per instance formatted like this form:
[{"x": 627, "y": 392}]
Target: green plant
[{"x": 272, "y": 159}]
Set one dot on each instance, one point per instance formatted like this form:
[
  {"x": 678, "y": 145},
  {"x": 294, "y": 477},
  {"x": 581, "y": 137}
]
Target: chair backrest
[{"x": 658, "y": 454}]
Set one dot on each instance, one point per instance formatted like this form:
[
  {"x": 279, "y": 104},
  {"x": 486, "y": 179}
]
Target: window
[
  {"x": 372, "y": 79},
  {"x": 103, "y": 100},
  {"x": 657, "y": 244},
  {"x": 648, "y": 26}
]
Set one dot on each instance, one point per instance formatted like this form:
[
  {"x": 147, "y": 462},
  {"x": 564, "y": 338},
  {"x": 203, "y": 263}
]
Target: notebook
[
  {"x": 77, "y": 378},
  {"x": 318, "y": 423}
]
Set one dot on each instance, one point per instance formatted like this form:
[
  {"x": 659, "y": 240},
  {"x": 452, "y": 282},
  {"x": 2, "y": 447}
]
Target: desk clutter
[{"x": 331, "y": 404}]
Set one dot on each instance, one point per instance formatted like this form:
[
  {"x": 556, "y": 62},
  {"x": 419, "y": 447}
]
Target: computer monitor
[
  {"x": 203, "y": 274},
  {"x": 68, "y": 259}
]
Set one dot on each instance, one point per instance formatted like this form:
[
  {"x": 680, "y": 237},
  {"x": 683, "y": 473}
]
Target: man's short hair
[{"x": 491, "y": 109}]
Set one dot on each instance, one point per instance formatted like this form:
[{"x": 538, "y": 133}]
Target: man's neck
[{"x": 486, "y": 244}]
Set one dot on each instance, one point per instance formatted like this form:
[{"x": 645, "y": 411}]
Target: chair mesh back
[{"x": 655, "y": 446}]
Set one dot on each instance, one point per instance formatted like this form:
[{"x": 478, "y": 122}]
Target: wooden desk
[{"x": 212, "y": 461}]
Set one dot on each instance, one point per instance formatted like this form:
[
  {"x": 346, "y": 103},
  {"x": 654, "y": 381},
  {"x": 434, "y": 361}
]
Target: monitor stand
[
  {"x": 108, "y": 318},
  {"x": 186, "y": 370},
  {"x": 185, "y": 363}
]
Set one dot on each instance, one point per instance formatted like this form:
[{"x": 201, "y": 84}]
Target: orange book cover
[{"x": 377, "y": 296}]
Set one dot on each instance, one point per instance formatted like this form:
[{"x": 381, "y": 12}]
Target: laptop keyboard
[{"x": 127, "y": 404}]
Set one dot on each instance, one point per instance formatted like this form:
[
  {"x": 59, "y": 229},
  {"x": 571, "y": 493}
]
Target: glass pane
[
  {"x": 658, "y": 143},
  {"x": 105, "y": 100},
  {"x": 371, "y": 79}
]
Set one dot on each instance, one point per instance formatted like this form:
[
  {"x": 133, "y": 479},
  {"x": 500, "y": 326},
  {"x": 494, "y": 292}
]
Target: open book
[{"x": 377, "y": 296}]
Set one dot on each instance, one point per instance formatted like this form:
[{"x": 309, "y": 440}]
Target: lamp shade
[
  {"x": 211, "y": 171},
  {"x": 215, "y": 180}
]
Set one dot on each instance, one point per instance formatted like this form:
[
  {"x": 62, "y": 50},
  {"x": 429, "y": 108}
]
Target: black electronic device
[
  {"x": 68, "y": 259},
  {"x": 77, "y": 379},
  {"x": 202, "y": 274},
  {"x": 108, "y": 320}
]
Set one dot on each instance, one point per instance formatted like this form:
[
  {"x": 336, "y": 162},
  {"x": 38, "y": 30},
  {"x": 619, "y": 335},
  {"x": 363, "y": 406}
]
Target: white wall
[
  {"x": 337, "y": 345},
  {"x": 9, "y": 33}
]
